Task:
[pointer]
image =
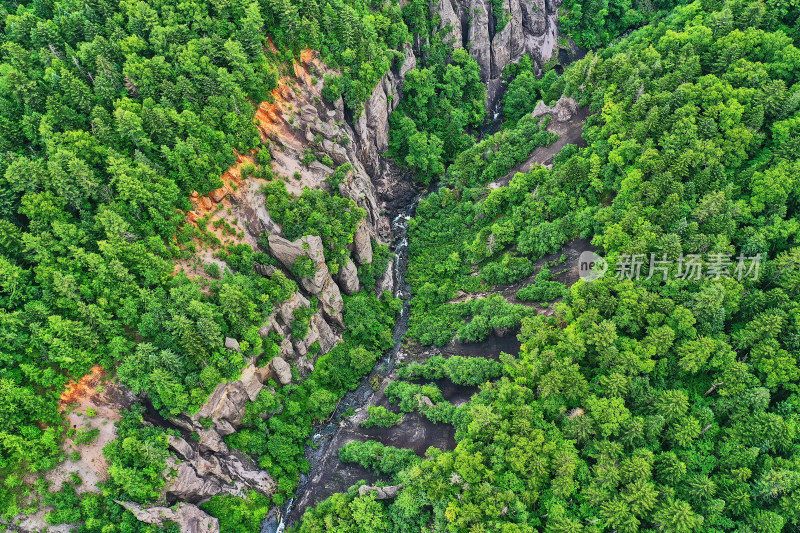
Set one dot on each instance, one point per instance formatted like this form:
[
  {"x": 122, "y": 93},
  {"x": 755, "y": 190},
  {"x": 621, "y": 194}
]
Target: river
[
  {"x": 323, "y": 451},
  {"x": 329, "y": 475}
]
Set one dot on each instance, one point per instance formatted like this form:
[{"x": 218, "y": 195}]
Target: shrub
[{"x": 379, "y": 416}]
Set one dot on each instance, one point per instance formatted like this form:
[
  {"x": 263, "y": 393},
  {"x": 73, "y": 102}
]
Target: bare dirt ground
[
  {"x": 489, "y": 348},
  {"x": 91, "y": 403}
]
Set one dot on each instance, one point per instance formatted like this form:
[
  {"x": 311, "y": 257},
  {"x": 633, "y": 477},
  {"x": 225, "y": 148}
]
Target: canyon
[{"x": 298, "y": 121}]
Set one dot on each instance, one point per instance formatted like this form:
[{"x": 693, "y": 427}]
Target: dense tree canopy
[
  {"x": 111, "y": 114},
  {"x": 651, "y": 404},
  {"x": 663, "y": 403}
]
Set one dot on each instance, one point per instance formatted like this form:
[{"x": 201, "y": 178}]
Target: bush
[
  {"x": 238, "y": 514},
  {"x": 304, "y": 267},
  {"x": 375, "y": 456},
  {"x": 460, "y": 370},
  {"x": 315, "y": 212},
  {"x": 85, "y": 436},
  {"x": 542, "y": 289},
  {"x": 212, "y": 269},
  {"x": 136, "y": 459},
  {"x": 379, "y": 416},
  {"x": 381, "y": 257},
  {"x": 302, "y": 320}
]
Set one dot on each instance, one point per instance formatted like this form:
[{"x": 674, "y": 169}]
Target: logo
[{"x": 591, "y": 266}]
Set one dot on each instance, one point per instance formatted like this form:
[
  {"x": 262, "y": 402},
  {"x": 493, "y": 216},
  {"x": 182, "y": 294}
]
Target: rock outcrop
[
  {"x": 204, "y": 472},
  {"x": 232, "y": 344},
  {"x": 386, "y": 281},
  {"x": 563, "y": 110},
  {"x": 381, "y": 493},
  {"x": 362, "y": 245},
  {"x": 348, "y": 278},
  {"x": 300, "y": 121},
  {"x": 225, "y": 407},
  {"x": 372, "y": 127},
  {"x": 321, "y": 284},
  {"x": 189, "y": 517},
  {"x": 300, "y": 350},
  {"x": 528, "y": 27},
  {"x": 282, "y": 370}
]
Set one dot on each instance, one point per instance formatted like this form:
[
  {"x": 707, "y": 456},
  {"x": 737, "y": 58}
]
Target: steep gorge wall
[
  {"x": 531, "y": 27},
  {"x": 297, "y": 122}
]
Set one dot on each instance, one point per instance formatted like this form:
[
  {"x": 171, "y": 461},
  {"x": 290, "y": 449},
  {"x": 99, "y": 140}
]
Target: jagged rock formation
[
  {"x": 209, "y": 468},
  {"x": 300, "y": 121},
  {"x": 321, "y": 285},
  {"x": 348, "y": 278},
  {"x": 563, "y": 110},
  {"x": 225, "y": 407},
  {"x": 300, "y": 350},
  {"x": 372, "y": 127},
  {"x": 531, "y": 27},
  {"x": 282, "y": 370},
  {"x": 381, "y": 493},
  {"x": 206, "y": 465},
  {"x": 362, "y": 245},
  {"x": 189, "y": 517}
]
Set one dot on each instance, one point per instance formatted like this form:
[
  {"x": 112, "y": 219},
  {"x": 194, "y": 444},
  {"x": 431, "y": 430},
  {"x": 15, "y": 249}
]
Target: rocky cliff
[
  {"x": 300, "y": 122},
  {"x": 496, "y": 40},
  {"x": 308, "y": 138}
]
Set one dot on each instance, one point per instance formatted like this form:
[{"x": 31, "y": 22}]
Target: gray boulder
[
  {"x": 232, "y": 344},
  {"x": 251, "y": 382},
  {"x": 386, "y": 281},
  {"x": 381, "y": 493},
  {"x": 188, "y": 486},
  {"x": 327, "y": 338},
  {"x": 226, "y": 405},
  {"x": 348, "y": 278},
  {"x": 362, "y": 245},
  {"x": 188, "y": 516},
  {"x": 287, "y": 349},
  {"x": 227, "y": 401},
  {"x": 211, "y": 441},
  {"x": 282, "y": 370}
]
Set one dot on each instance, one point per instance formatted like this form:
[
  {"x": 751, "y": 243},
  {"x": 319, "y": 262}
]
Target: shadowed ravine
[{"x": 328, "y": 474}]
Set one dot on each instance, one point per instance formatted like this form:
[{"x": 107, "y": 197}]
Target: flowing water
[{"x": 323, "y": 438}]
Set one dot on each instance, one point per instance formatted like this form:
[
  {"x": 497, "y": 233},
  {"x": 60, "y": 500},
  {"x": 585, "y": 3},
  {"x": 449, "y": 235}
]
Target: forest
[
  {"x": 651, "y": 404},
  {"x": 661, "y": 404}
]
